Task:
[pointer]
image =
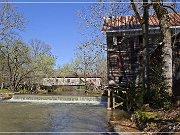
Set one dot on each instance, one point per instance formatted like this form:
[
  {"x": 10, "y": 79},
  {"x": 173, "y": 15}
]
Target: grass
[
  {"x": 5, "y": 91},
  {"x": 147, "y": 115}
]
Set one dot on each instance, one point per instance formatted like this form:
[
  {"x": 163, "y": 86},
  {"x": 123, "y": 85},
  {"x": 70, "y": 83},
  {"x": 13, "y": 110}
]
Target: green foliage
[
  {"x": 146, "y": 115},
  {"x": 5, "y": 91},
  {"x": 23, "y": 91},
  {"x": 167, "y": 104},
  {"x": 66, "y": 69},
  {"x": 45, "y": 64},
  {"x": 18, "y": 65},
  {"x": 157, "y": 97},
  {"x": 62, "y": 89},
  {"x": 134, "y": 96},
  {"x": 143, "y": 117}
]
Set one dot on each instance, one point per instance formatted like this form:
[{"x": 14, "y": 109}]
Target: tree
[
  {"x": 162, "y": 15},
  {"x": 21, "y": 62},
  {"x": 39, "y": 47},
  {"x": 101, "y": 68},
  {"x": 11, "y": 21},
  {"x": 90, "y": 61},
  {"x": 42, "y": 60},
  {"x": 139, "y": 9},
  {"x": 161, "y": 10},
  {"x": 161, "y": 71},
  {"x": 66, "y": 70},
  {"x": 87, "y": 57},
  {"x": 17, "y": 62},
  {"x": 92, "y": 21},
  {"x": 2, "y": 68}
]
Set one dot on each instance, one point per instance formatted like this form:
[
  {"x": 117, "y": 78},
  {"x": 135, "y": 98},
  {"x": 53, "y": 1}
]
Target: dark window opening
[
  {"x": 68, "y": 80},
  {"x": 140, "y": 39}
]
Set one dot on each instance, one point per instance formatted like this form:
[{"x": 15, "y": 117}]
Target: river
[{"x": 53, "y": 117}]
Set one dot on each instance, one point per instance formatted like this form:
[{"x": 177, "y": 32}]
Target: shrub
[{"x": 143, "y": 117}]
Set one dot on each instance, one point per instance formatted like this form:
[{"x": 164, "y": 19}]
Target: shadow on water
[{"x": 103, "y": 101}]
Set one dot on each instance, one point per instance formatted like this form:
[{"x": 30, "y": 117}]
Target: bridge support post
[
  {"x": 114, "y": 101},
  {"x": 109, "y": 100}
]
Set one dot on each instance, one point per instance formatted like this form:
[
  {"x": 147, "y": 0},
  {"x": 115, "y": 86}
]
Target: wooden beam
[{"x": 109, "y": 100}]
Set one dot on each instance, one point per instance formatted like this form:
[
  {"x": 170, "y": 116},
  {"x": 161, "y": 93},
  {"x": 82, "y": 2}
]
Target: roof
[
  {"x": 132, "y": 22},
  {"x": 79, "y": 76}
]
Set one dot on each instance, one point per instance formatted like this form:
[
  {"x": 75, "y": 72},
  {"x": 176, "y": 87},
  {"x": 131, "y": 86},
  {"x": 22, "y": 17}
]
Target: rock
[
  {"x": 40, "y": 91},
  {"x": 5, "y": 96}
]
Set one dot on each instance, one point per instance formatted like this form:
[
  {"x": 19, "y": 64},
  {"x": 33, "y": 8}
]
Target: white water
[{"x": 57, "y": 99}]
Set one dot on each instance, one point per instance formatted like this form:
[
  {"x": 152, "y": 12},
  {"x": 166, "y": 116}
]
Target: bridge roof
[{"x": 78, "y": 76}]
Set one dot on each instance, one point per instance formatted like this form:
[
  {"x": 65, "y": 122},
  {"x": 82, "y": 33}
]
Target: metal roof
[
  {"x": 79, "y": 76},
  {"x": 131, "y": 22}
]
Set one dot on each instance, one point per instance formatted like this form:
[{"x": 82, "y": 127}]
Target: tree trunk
[
  {"x": 2, "y": 85},
  {"x": 167, "y": 55},
  {"x": 162, "y": 14},
  {"x": 145, "y": 28}
]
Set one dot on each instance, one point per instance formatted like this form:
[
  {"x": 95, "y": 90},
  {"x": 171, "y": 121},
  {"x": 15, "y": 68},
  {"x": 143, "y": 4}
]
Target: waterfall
[{"x": 57, "y": 99}]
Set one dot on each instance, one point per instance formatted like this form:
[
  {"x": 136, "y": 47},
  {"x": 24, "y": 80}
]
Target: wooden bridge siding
[{"x": 70, "y": 81}]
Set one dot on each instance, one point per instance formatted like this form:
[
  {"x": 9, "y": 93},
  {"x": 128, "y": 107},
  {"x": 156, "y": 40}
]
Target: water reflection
[{"x": 33, "y": 117}]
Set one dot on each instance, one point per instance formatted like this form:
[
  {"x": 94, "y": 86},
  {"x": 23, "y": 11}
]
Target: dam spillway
[{"x": 58, "y": 99}]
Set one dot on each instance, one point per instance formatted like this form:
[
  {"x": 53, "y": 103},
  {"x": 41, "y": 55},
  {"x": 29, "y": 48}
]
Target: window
[
  {"x": 113, "y": 61},
  {"x": 68, "y": 80},
  {"x": 140, "y": 39},
  {"x": 56, "y": 81},
  {"x": 114, "y": 40}
]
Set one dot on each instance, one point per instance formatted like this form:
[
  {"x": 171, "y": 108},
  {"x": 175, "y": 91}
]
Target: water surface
[{"x": 38, "y": 117}]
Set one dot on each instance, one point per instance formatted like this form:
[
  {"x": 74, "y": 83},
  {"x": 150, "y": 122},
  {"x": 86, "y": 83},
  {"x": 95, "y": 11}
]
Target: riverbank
[
  {"x": 124, "y": 126},
  {"x": 119, "y": 121},
  {"x": 166, "y": 120},
  {"x": 64, "y": 91},
  {"x": 147, "y": 122}
]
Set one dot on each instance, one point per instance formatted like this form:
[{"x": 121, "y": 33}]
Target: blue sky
[{"x": 55, "y": 24}]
